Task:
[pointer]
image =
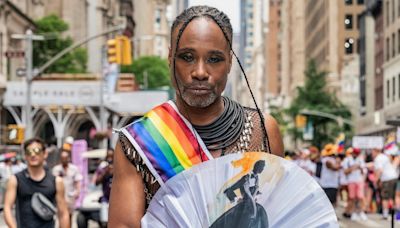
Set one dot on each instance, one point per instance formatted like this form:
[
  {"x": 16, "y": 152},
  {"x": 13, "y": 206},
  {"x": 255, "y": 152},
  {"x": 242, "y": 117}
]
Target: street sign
[{"x": 21, "y": 72}]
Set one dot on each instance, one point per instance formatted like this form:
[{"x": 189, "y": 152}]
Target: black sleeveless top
[{"x": 25, "y": 215}]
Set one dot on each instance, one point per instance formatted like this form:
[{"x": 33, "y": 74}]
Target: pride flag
[
  {"x": 390, "y": 146},
  {"x": 340, "y": 140},
  {"x": 166, "y": 141}
]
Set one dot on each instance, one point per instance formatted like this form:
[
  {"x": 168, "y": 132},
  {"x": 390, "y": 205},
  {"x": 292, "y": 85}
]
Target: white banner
[{"x": 368, "y": 142}]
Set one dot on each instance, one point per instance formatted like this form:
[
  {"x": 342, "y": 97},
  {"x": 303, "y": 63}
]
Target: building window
[
  {"x": 348, "y": 21},
  {"x": 387, "y": 13},
  {"x": 398, "y": 41},
  {"x": 393, "y": 11},
  {"x": 360, "y": 2},
  {"x": 394, "y": 88},
  {"x": 398, "y": 8},
  {"x": 387, "y": 49},
  {"x": 348, "y": 2},
  {"x": 388, "y": 90},
  {"x": 157, "y": 20},
  {"x": 393, "y": 44},
  {"x": 348, "y": 46}
]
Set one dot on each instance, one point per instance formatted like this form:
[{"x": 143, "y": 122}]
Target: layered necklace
[{"x": 226, "y": 129}]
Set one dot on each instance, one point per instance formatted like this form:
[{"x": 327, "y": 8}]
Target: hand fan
[{"x": 252, "y": 189}]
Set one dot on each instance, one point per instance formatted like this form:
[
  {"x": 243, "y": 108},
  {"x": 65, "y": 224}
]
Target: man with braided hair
[{"x": 200, "y": 119}]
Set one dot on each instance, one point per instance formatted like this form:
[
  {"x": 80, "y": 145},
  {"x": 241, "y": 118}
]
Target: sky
[{"x": 230, "y": 7}]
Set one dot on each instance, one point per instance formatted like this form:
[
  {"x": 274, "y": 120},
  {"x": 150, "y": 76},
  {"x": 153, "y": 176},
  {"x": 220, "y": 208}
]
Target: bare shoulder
[
  {"x": 274, "y": 135},
  {"x": 12, "y": 181}
]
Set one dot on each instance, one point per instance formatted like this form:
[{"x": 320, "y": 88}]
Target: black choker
[{"x": 226, "y": 129}]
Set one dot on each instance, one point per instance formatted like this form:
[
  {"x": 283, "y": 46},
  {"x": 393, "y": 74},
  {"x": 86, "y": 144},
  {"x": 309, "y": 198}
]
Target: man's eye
[
  {"x": 215, "y": 59},
  {"x": 186, "y": 57}
]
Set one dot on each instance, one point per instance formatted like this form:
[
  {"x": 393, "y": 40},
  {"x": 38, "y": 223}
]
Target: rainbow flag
[
  {"x": 166, "y": 141},
  {"x": 391, "y": 146},
  {"x": 340, "y": 140}
]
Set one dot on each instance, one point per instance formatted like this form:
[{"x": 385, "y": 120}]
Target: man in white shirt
[
  {"x": 354, "y": 169},
  {"x": 71, "y": 177},
  {"x": 329, "y": 180},
  {"x": 386, "y": 175}
]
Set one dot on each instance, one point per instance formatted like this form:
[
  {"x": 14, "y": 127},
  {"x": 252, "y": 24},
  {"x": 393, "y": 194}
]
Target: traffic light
[
  {"x": 119, "y": 50},
  {"x": 301, "y": 121},
  {"x": 126, "y": 50},
  {"x": 114, "y": 51},
  {"x": 15, "y": 134}
]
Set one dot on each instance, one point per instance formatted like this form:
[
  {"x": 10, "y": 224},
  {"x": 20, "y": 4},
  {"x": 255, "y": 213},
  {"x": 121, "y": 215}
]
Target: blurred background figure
[
  {"x": 343, "y": 184},
  {"x": 386, "y": 177},
  {"x": 329, "y": 180},
  {"x": 103, "y": 176},
  {"x": 72, "y": 179},
  {"x": 354, "y": 169},
  {"x": 17, "y": 164}
]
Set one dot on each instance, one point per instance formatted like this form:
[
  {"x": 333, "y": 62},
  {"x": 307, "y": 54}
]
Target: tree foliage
[
  {"x": 314, "y": 96},
  {"x": 156, "y": 69},
  {"x": 53, "y": 27}
]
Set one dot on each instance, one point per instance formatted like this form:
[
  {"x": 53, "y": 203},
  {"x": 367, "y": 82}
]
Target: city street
[{"x": 373, "y": 221}]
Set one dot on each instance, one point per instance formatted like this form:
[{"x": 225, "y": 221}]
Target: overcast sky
[{"x": 230, "y": 7}]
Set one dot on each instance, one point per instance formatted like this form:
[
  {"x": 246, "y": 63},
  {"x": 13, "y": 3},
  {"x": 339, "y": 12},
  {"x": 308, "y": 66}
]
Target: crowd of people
[
  {"x": 59, "y": 188},
  {"x": 364, "y": 181}
]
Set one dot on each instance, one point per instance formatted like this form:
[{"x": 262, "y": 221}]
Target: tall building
[
  {"x": 252, "y": 53},
  {"x": 152, "y": 28},
  {"x": 332, "y": 35},
  {"x": 273, "y": 52},
  {"x": 380, "y": 84}
]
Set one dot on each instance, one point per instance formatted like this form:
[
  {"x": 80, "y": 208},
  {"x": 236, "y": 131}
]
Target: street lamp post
[{"x": 29, "y": 37}]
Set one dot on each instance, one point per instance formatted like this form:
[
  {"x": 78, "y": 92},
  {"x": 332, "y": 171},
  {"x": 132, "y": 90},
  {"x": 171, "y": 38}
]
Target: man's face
[
  {"x": 64, "y": 158},
  {"x": 375, "y": 153},
  {"x": 35, "y": 155},
  {"x": 203, "y": 61}
]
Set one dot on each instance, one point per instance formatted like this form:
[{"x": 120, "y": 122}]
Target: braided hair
[{"x": 223, "y": 22}]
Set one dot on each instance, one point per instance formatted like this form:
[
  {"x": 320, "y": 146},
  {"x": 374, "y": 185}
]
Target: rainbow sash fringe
[{"x": 166, "y": 141}]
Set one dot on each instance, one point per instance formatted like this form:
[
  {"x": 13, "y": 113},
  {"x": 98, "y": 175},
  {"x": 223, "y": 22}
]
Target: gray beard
[
  {"x": 196, "y": 101},
  {"x": 199, "y": 101}
]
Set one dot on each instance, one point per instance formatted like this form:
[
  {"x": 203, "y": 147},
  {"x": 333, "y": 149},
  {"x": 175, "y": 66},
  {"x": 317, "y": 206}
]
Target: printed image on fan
[
  {"x": 252, "y": 189},
  {"x": 246, "y": 212}
]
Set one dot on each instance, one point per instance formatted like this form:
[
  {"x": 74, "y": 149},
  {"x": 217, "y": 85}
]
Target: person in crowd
[
  {"x": 104, "y": 176},
  {"x": 343, "y": 183},
  {"x": 315, "y": 157},
  {"x": 35, "y": 179},
  {"x": 72, "y": 179},
  {"x": 200, "y": 59},
  {"x": 5, "y": 174},
  {"x": 305, "y": 163},
  {"x": 354, "y": 168},
  {"x": 386, "y": 176},
  {"x": 329, "y": 180},
  {"x": 18, "y": 165}
]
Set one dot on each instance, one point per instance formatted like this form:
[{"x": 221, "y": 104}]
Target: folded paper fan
[{"x": 252, "y": 189}]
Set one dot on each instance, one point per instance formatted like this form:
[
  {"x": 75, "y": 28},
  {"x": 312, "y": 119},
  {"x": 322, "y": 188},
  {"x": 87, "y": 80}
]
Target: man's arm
[
  {"x": 9, "y": 201},
  {"x": 127, "y": 200},
  {"x": 333, "y": 166},
  {"x": 274, "y": 136},
  {"x": 63, "y": 214}
]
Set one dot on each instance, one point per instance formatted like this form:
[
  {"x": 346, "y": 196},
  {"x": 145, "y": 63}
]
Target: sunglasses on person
[{"x": 33, "y": 151}]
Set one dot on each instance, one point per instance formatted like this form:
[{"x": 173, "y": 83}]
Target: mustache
[{"x": 198, "y": 85}]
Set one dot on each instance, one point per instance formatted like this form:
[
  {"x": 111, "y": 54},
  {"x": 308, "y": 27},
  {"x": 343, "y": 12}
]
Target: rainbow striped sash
[{"x": 166, "y": 141}]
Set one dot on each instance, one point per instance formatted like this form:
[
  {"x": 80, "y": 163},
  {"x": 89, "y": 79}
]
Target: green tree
[
  {"x": 53, "y": 27},
  {"x": 314, "y": 96},
  {"x": 156, "y": 69}
]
